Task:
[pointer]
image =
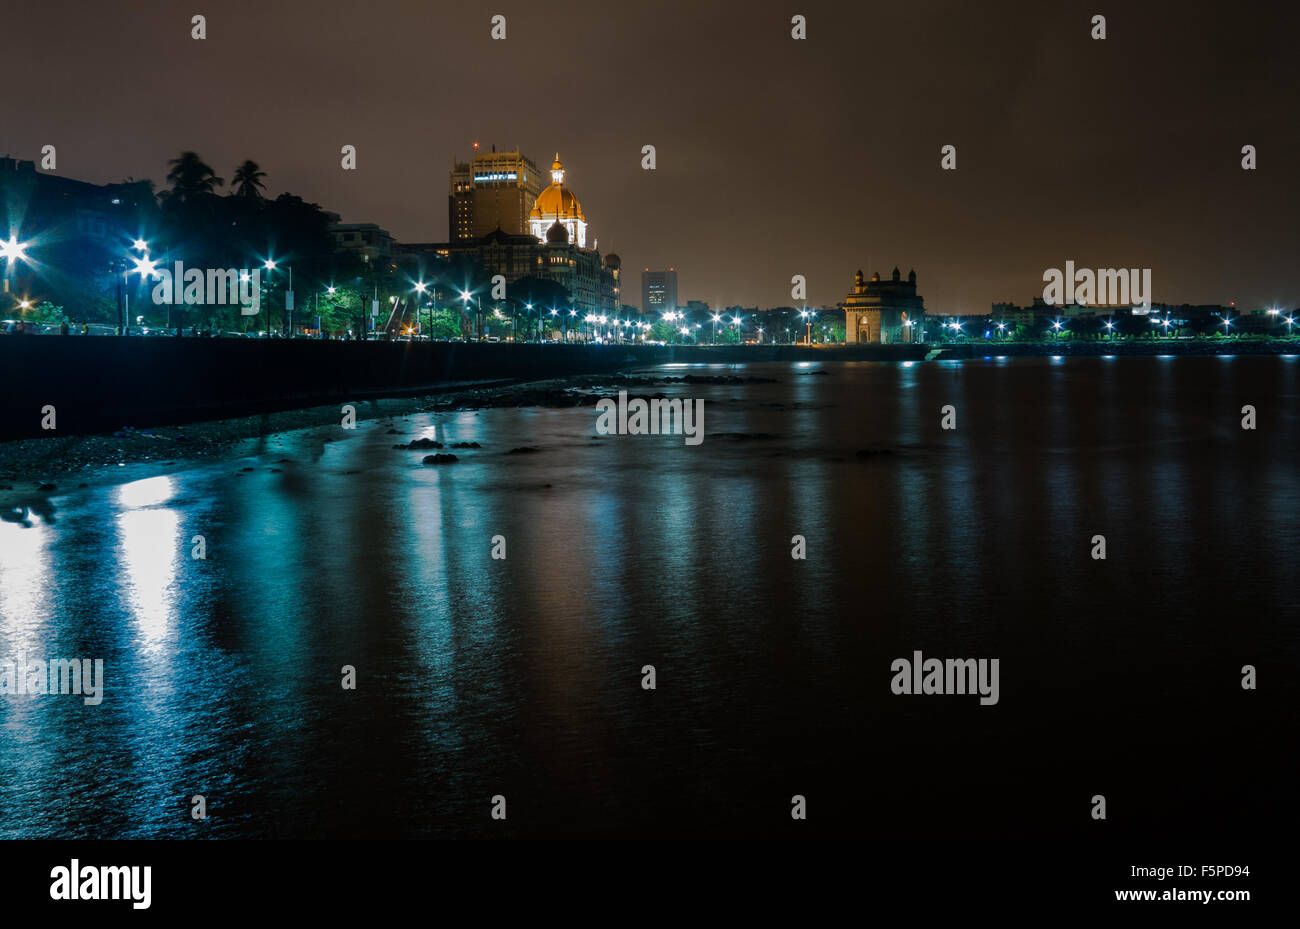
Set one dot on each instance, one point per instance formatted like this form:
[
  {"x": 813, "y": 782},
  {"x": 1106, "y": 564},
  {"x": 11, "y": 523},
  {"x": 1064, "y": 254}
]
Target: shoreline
[{"x": 41, "y": 467}]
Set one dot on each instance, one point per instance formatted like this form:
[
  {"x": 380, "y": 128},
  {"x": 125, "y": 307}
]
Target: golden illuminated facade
[{"x": 557, "y": 204}]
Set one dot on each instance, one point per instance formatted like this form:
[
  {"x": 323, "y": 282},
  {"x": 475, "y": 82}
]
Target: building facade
[
  {"x": 370, "y": 241},
  {"x": 495, "y": 190},
  {"x": 658, "y": 291},
  {"x": 884, "y": 311}
]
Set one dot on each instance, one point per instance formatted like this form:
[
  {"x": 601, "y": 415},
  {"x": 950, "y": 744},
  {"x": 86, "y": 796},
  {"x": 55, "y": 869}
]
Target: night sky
[{"x": 775, "y": 157}]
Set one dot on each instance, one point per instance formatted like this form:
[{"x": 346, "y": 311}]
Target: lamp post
[
  {"x": 464, "y": 298},
  {"x": 421, "y": 288},
  {"x": 145, "y": 267},
  {"x": 269, "y": 265}
]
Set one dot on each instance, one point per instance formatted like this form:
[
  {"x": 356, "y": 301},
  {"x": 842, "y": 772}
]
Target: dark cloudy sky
[{"x": 776, "y": 157}]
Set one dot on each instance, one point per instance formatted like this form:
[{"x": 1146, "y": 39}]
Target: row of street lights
[{"x": 145, "y": 265}]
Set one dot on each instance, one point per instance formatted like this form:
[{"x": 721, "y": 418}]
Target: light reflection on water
[
  {"x": 149, "y": 540},
  {"x": 523, "y": 675}
]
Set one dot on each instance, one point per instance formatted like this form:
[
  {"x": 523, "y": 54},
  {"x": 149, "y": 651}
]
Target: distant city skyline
[{"x": 774, "y": 157}]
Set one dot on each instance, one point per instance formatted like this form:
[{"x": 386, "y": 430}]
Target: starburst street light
[
  {"x": 420, "y": 287},
  {"x": 140, "y": 245},
  {"x": 145, "y": 267},
  {"x": 13, "y": 250}
]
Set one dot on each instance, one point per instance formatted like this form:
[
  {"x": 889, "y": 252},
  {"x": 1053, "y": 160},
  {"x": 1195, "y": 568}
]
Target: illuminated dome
[
  {"x": 558, "y": 201},
  {"x": 557, "y": 204}
]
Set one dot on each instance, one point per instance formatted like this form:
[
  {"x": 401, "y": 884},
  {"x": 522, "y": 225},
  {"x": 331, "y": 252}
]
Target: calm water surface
[{"x": 522, "y": 677}]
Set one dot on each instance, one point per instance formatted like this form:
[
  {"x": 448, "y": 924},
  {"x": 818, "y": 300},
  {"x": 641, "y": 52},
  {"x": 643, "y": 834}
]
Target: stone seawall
[{"x": 99, "y": 383}]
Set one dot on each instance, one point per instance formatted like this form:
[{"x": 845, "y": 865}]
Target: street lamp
[
  {"x": 12, "y": 251},
  {"x": 145, "y": 267},
  {"x": 269, "y": 264},
  {"x": 464, "y": 297},
  {"x": 422, "y": 288}
]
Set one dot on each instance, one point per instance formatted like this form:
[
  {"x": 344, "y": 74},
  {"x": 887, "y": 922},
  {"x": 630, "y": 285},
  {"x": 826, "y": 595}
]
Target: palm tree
[
  {"x": 191, "y": 178},
  {"x": 247, "y": 183}
]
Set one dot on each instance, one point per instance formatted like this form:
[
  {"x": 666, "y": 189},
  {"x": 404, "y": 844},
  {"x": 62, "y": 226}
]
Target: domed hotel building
[
  {"x": 558, "y": 205},
  {"x": 552, "y": 246}
]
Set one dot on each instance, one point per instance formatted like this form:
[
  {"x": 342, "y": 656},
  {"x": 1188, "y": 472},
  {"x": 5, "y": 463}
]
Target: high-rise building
[
  {"x": 658, "y": 291},
  {"x": 496, "y": 190}
]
